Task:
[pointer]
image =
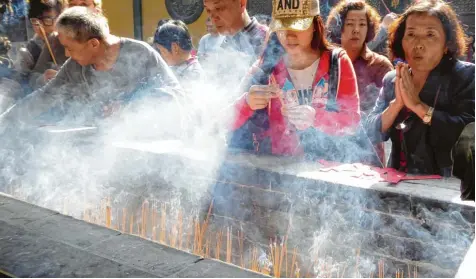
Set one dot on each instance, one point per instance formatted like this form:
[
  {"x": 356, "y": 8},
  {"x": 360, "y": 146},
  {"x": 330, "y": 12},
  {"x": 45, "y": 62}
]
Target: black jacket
[{"x": 428, "y": 148}]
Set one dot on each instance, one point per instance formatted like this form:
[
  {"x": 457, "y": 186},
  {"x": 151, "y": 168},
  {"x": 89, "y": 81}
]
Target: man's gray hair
[{"x": 82, "y": 24}]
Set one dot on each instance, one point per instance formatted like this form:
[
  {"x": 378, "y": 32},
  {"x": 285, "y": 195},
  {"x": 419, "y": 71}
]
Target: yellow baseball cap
[{"x": 294, "y": 15}]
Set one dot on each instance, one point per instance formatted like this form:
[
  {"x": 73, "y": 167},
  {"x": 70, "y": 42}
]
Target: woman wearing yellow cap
[{"x": 308, "y": 106}]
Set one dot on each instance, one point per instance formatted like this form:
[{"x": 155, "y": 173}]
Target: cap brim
[{"x": 295, "y": 24}]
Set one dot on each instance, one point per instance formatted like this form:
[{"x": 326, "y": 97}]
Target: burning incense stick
[
  {"x": 218, "y": 244},
  {"x": 48, "y": 44},
  {"x": 343, "y": 271},
  {"x": 108, "y": 216},
  {"x": 145, "y": 213},
  {"x": 293, "y": 261},
  {"x": 357, "y": 263},
  {"x": 131, "y": 225},
  {"x": 241, "y": 238},
  {"x": 180, "y": 225},
  {"x": 124, "y": 216},
  {"x": 163, "y": 217},
  {"x": 228, "y": 244},
  {"x": 189, "y": 235}
]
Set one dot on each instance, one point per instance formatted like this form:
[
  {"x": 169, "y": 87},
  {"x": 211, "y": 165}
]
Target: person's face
[
  {"x": 355, "y": 30},
  {"x": 424, "y": 42},
  {"x": 84, "y": 3},
  {"x": 295, "y": 42},
  {"x": 47, "y": 21},
  {"x": 225, "y": 14},
  {"x": 84, "y": 53}
]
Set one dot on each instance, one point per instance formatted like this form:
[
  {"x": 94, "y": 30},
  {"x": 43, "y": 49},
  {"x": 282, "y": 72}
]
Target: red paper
[{"x": 361, "y": 171}]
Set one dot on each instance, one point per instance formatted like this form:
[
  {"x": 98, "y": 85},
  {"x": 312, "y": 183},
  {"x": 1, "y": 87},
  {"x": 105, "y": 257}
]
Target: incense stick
[
  {"x": 241, "y": 238},
  {"x": 180, "y": 224},
  {"x": 163, "y": 217},
  {"x": 357, "y": 263},
  {"x": 124, "y": 216},
  {"x": 228, "y": 245},
  {"x": 131, "y": 224},
  {"x": 145, "y": 213},
  {"x": 108, "y": 216},
  {"x": 218, "y": 245},
  {"x": 48, "y": 44}
]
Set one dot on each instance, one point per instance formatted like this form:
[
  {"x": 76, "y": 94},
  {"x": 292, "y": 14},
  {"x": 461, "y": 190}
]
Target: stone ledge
[{"x": 37, "y": 242}]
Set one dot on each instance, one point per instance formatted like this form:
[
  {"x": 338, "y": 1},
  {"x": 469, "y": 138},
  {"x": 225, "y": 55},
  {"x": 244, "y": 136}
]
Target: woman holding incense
[
  {"x": 43, "y": 14},
  {"x": 424, "y": 105},
  {"x": 308, "y": 105}
]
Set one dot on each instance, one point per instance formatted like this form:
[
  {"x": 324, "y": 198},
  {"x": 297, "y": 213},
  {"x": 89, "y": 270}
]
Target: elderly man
[
  {"x": 103, "y": 69},
  {"x": 243, "y": 43}
]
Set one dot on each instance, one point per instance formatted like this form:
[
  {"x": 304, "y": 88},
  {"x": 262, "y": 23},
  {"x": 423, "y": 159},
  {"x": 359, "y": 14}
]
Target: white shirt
[{"x": 302, "y": 81}]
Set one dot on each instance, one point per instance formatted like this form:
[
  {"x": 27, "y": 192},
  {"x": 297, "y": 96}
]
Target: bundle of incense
[{"x": 43, "y": 33}]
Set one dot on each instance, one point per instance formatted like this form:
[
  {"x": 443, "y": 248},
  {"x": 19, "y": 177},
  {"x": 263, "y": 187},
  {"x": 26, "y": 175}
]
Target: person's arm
[
  {"x": 39, "y": 101},
  {"x": 381, "y": 37},
  {"x": 348, "y": 116},
  {"x": 243, "y": 112},
  {"x": 384, "y": 112},
  {"x": 453, "y": 118}
]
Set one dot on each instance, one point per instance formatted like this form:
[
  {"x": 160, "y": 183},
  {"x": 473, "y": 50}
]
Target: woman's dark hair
[
  {"x": 174, "y": 31},
  {"x": 455, "y": 37},
  {"x": 38, "y": 7},
  {"x": 337, "y": 16},
  {"x": 162, "y": 22},
  {"x": 274, "y": 51}
]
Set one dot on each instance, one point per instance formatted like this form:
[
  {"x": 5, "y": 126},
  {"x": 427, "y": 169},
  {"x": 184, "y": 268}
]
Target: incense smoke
[{"x": 77, "y": 169}]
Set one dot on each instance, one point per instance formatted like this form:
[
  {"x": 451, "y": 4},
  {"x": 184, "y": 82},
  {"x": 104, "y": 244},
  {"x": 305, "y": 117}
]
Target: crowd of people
[{"x": 297, "y": 85}]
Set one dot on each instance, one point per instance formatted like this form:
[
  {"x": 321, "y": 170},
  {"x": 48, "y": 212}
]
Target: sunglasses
[{"x": 46, "y": 21}]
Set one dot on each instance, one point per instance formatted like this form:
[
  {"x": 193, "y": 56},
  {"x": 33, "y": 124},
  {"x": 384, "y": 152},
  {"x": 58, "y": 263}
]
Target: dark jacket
[{"x": 427, "y": 148}]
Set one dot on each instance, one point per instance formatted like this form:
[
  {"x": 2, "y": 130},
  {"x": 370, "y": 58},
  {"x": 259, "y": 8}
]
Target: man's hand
[
  {"x": 302, "y": 117},
  {"x": 49, "y": 74},
  {"x": 259, "y": 96}
]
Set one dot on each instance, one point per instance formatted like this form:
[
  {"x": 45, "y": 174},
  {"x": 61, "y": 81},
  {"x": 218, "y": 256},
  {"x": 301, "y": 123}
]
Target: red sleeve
[
  {"x": 346, "y": 120},
  {"x": 242, "y": 112}
]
